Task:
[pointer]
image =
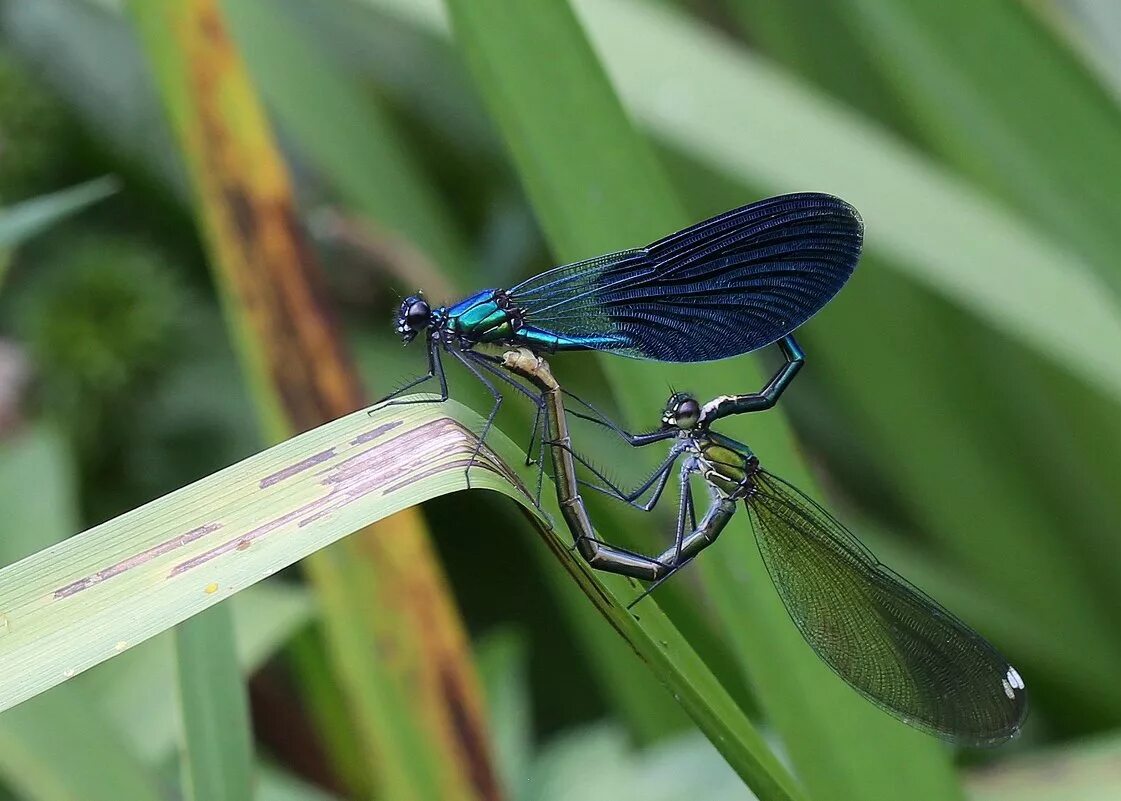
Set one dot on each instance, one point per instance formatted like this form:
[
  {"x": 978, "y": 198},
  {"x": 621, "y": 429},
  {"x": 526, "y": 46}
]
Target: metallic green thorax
[{"x": 482, "y": 321}]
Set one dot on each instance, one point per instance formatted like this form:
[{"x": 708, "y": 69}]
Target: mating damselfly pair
[{"x": 727, "y": 286}]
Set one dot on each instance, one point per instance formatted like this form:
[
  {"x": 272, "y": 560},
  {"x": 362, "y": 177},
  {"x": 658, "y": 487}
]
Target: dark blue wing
[{"x": 725, "y": 286}]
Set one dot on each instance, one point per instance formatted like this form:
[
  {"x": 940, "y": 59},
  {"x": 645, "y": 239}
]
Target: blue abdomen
[
  {"x": 480, "y": 318},
  {"x": 540, "y": 339}
]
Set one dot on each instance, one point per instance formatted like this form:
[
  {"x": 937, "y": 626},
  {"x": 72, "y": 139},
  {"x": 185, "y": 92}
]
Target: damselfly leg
[{"x": 435, "y": 370}]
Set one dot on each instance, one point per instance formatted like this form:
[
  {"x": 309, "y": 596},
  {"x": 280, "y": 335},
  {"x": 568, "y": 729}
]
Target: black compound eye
[{"x": 417, "y": 314}]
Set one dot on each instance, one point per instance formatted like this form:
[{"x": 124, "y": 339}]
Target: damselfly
[
  {"x": 725, "y": 286},
  {"x": 887, "y": 639}
]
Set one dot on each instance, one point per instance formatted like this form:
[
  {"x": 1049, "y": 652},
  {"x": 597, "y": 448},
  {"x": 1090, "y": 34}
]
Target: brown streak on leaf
[
  {"x": 297, "y": 468},
  {"x": 135, "y": 561},
  {"x": 374, "y": 433},
  {"x": 366, "y": 472}
]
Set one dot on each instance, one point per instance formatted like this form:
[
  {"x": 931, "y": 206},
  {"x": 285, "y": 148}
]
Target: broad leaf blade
[{"x": 95, "y": 595}]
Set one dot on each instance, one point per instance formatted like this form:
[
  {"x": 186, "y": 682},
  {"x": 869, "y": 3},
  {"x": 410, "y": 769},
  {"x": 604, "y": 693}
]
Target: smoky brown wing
[{"x": 887, "y": 639}]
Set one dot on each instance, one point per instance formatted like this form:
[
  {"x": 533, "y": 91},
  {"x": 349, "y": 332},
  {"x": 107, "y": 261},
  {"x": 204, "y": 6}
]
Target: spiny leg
[
  {"x": 491, "y": 364},
  {"x": 490, "y": 417},
  {"x": 685, "y": 511},
  {"x": 637, "y": 440},
  {"x": 435, "y": 369},
  {"x": 533, "y": 439},
  {"x": 692, "y": 512},
  {"x": 684, "y": 508},
  {"x": 658, "y": 479},
  {"x": 488, "y": 363},
  {"x": 538, "y": 436}
]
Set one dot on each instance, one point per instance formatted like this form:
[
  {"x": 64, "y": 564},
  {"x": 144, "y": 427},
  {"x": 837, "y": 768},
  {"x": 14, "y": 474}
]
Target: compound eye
[
  {"x": 687, "y": 413},
  {"x": 417, "y": 315}
]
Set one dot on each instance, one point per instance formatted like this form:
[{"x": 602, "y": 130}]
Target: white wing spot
[
  {"x": 1014, "y": 678},
  {"x": 1008, "y": 689}
]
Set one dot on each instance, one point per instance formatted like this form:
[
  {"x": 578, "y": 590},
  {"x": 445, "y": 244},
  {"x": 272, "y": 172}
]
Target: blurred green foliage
[
  {"x": 37, "y": 135},
  {"x": 86, "y": 365},
  {"x": 985, "y": 469}
]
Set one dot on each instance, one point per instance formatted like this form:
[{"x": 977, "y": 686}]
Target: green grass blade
[
  {"x": 92, "y": 596},
  {"x": 596, "y": 187},
  {"x": 217, "y": 762},
  {"x": 95, "y": 595},
  {"x": 27, "y": 218}
]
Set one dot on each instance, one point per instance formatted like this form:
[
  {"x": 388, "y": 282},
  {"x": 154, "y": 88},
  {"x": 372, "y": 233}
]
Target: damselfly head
[
  {"x": 414, "y": 316},
  {"x": 682, "y": 411}
]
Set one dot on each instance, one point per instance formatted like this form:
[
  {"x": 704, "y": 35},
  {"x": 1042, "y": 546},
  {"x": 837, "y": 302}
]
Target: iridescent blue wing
[{"x": 725, "y": 286}]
